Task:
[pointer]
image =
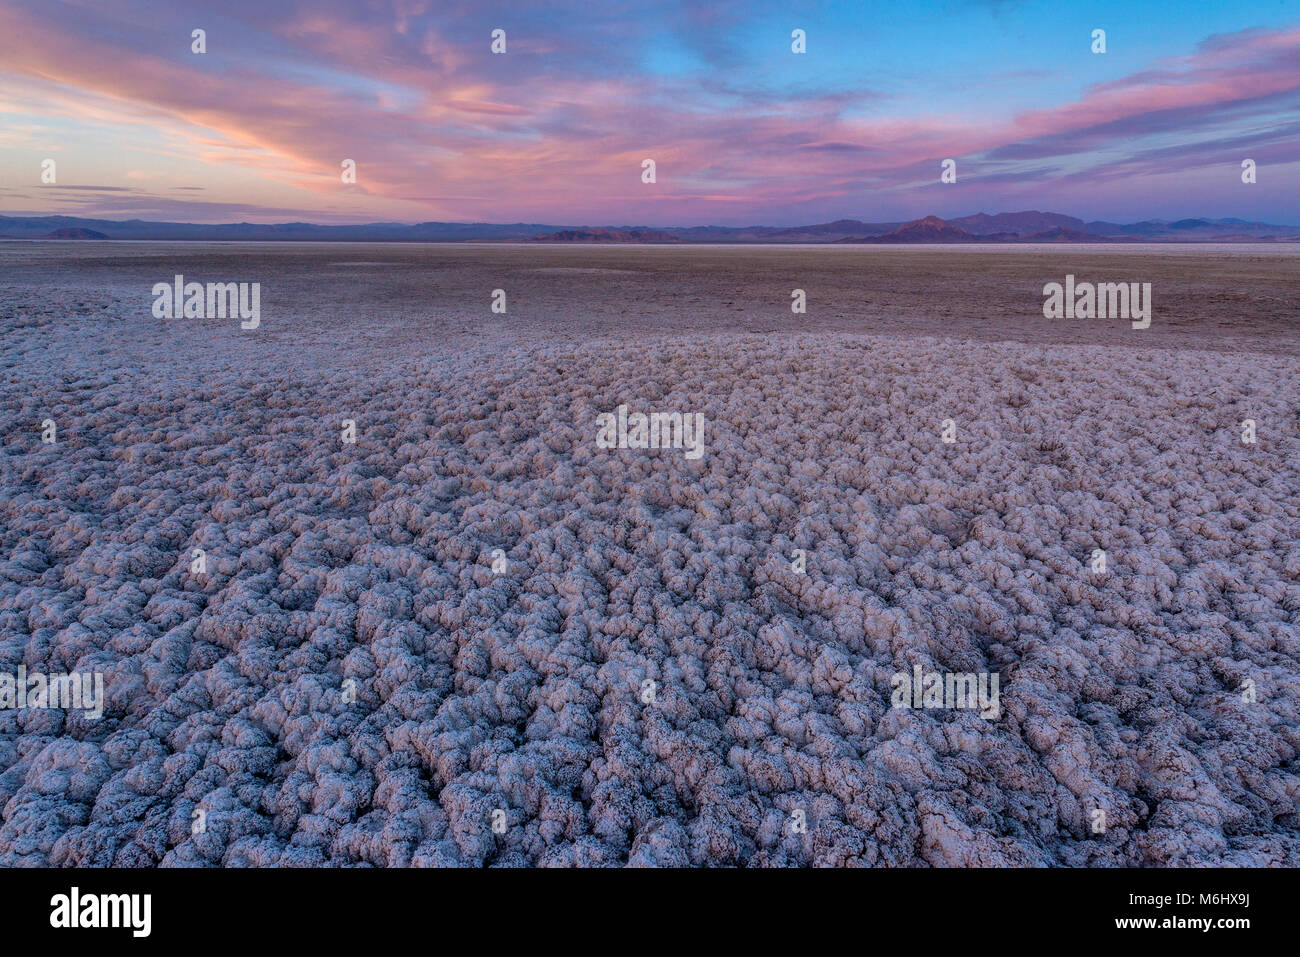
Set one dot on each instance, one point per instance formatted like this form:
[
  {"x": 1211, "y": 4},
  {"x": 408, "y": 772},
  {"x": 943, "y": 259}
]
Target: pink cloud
[{"x": 412, "y": 108}]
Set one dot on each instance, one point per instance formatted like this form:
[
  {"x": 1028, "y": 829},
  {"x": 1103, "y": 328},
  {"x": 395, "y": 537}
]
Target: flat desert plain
[{"x": 476, "y": 636}]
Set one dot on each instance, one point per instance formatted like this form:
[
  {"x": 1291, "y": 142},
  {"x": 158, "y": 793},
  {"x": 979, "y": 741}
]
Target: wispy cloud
[{"x": 557, "y": 128}]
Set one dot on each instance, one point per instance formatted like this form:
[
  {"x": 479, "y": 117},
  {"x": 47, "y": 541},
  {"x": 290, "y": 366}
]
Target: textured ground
[{"x": 522, "y": 691}]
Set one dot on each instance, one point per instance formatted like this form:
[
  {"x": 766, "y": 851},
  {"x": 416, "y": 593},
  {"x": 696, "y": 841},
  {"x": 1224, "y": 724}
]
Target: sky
[{"x": 742, "y": 129}]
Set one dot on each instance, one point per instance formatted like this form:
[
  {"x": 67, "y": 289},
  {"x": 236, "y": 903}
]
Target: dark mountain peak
[
  {"x": 929, "y": 229},
  {"x": 1021, "y": 224},
  {"x": 606, "y": 236},
  {"x": 73, "y": 232}
]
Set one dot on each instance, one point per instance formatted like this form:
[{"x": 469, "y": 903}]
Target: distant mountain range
[
  {"x": 1031, "y": 226},
  {"x": 932, "y": 229},
  {"x": 607, "y": 236}
]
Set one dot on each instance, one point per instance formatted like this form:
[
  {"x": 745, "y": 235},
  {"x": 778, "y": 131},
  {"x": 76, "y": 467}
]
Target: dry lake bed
[{"x": 463, "y": 630}]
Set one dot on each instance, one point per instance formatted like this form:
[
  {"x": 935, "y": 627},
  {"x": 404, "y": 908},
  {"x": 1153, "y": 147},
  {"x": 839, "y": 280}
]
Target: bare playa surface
[
  {"x": 350, "y": 680},
  {"x": 420, "y": 298}
]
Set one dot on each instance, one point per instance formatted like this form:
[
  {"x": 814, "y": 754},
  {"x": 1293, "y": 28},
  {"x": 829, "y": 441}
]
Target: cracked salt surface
[{"x": 522, "y": 691}]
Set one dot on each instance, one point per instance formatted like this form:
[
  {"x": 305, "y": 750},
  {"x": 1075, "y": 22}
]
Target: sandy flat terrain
[{"x": 370, "y": 566}]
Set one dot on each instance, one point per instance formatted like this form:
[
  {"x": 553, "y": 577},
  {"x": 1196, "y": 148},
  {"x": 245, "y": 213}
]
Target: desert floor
[{"x": 649, "y": 680}]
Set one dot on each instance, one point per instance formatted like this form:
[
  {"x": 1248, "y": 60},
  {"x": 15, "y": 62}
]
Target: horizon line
[{"x": 630, "y": 226}]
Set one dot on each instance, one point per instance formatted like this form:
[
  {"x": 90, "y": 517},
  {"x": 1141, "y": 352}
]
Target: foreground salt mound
[{"x": 522, "y": 691}]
